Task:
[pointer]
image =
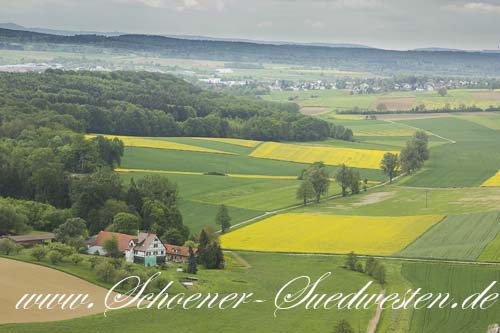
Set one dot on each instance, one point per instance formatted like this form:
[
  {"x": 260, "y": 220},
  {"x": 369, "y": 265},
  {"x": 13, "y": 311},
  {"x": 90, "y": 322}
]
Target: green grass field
[
  {"x": 468, "y": 162},
  {"x": 462, "y": 237},
  {"x": 397, "y": 200},
  {"x": 246, "y": 198},
  {"x": 460, "y": 281},
  {"x": 342, "y": 99},
  {"x": 267, "y": 274}
]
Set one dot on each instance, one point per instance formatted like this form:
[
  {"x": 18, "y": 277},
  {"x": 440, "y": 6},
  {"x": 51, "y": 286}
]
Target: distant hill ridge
[{"x": 342, "y": 58}]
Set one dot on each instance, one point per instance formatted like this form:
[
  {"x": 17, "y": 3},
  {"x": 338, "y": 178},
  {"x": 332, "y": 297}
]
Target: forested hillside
[
  {"x": 150, "y": 104},
  {"x": 349, "y": 59}
]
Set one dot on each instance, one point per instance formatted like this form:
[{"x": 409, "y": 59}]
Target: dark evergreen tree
[{"x": 192, "y": 262}]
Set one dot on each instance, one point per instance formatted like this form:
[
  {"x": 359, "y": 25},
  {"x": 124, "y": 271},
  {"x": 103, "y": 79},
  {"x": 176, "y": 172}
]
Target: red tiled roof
[
  {"x": 177, "y": 250},
  {"x": 123, "y": 239}
]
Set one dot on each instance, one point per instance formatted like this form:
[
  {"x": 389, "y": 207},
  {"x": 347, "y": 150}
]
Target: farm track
[
  {"x": 335, "y": 196},
  {"x": 436, "y": 135},
  {"x": 372, "y": 325}
]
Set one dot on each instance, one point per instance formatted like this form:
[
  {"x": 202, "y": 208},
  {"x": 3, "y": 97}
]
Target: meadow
[
  {"x": 314, "y": 233},
  {"x": 460, "y": 281},
  {"x": 468, "y": 162},
  {"x": 460, "y": 237},
  {"x": 132, "y": 141},
  {"x": 395, "y": 200},
  {"x": 251, "y": 186},
  {"x": 245, "y": 197},
  {"x": 237, "y": 277},
  {"x": 338, "y": 100}
]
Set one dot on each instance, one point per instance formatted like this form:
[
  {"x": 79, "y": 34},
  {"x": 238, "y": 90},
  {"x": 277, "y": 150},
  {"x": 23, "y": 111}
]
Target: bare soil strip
[
  {"x": 410, "y": 116},
  {"x": 396, "y": 104},
  {"x": 19, "y": 278},
  {"x": 487, "y": 95},
  {"x": 372, "y": 325},
  {"x": 312, "y": 110}
]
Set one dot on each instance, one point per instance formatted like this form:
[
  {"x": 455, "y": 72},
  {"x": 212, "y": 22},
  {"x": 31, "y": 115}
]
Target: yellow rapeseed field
[
  {"x": 358, "y": 158},
  {"x": 133, "y": 141},
  {"x": 311, "y": 233},
  {"x": 237, "y": 142},
  {"x": 493, "y": 181}
]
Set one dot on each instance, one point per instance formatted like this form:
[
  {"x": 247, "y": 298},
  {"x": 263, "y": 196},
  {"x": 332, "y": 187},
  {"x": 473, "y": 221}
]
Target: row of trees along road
[
  {"x": 316, "y": 179},
  {"x": 410, "y": 159}
]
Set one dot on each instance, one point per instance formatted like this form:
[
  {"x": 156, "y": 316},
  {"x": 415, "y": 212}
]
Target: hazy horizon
[{"x": 387, "y": 24}]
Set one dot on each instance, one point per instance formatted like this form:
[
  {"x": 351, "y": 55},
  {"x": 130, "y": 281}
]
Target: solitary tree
[
  {"x": 421, "y": 142},
  {"x": 390, "y": 165},
  {"x": 111, "y": 247},
  {"x": 409, "y": 158},
  {"x": 351, "y": 261},
  {"x": 319, "y": 179},
  {"x": 381, "y": 107},
  {"x": 343, "y": 326},
  {"x": 343, "y": 178},
  {"x": 442, "y": 91},
  {"x": 305, "y": 191},
  {"x": 192, "y": 262},
  {"x": 223, "y": 219},
  {"x": 355, "y": 180}
]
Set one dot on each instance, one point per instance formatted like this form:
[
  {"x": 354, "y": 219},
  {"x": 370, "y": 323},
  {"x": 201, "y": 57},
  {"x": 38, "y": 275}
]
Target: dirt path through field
[
  {"x": 19, "y": 278},
  {"x": 372, "y": 325}
]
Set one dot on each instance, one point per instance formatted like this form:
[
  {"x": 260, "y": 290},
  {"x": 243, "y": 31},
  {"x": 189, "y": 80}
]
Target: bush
[
  {"x": 54, "y": 257},
  {"x": 93, "y": 261},
  {"x": 105, "y": 271},
  {"x": 8, "y": 247},
  {"x": 39, "y": 252},
  {"x": 63, "y": 249},
  {"x": 75, "y": 259},
  {"x": 214, "y": 173}
]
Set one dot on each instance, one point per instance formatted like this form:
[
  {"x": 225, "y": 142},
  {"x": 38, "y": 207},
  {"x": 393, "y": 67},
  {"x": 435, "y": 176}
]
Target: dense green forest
[
  {"x": 150, "y": 104},
  {"x": 49, "y": 175},
  {"x": 349, "y": 59}
]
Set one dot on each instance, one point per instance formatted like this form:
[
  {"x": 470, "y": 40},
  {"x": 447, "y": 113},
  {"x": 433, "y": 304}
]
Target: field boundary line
[
  {"x": 364, "y": 256},
  {"x": 335, "y": 196},
  {"x": 421, "y": 129}
]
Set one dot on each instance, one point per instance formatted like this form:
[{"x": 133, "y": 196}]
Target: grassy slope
[
  {"x": 460, "y": 281},
  {"x": 171, "y": 160},
  {"x": 246, "y": 198},
  {"x": 468, "y": 162},
  {"x": 456, "y": 237},
  {"x": 400, "y": 201},
  {"x": 277, "y": 270},
  {"x": 341, "y": 100}
]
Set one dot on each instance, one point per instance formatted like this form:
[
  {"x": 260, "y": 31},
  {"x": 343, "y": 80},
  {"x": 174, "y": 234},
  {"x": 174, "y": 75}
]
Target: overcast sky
[{"x": 391, "y": 24}]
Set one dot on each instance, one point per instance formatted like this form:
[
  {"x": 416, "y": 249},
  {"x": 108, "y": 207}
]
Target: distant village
[{"x": 219, "y": 79}]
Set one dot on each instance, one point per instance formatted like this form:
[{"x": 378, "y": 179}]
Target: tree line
[
  {"x": 152, "y": 104},
  {"x": 348, "y": 59}
]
